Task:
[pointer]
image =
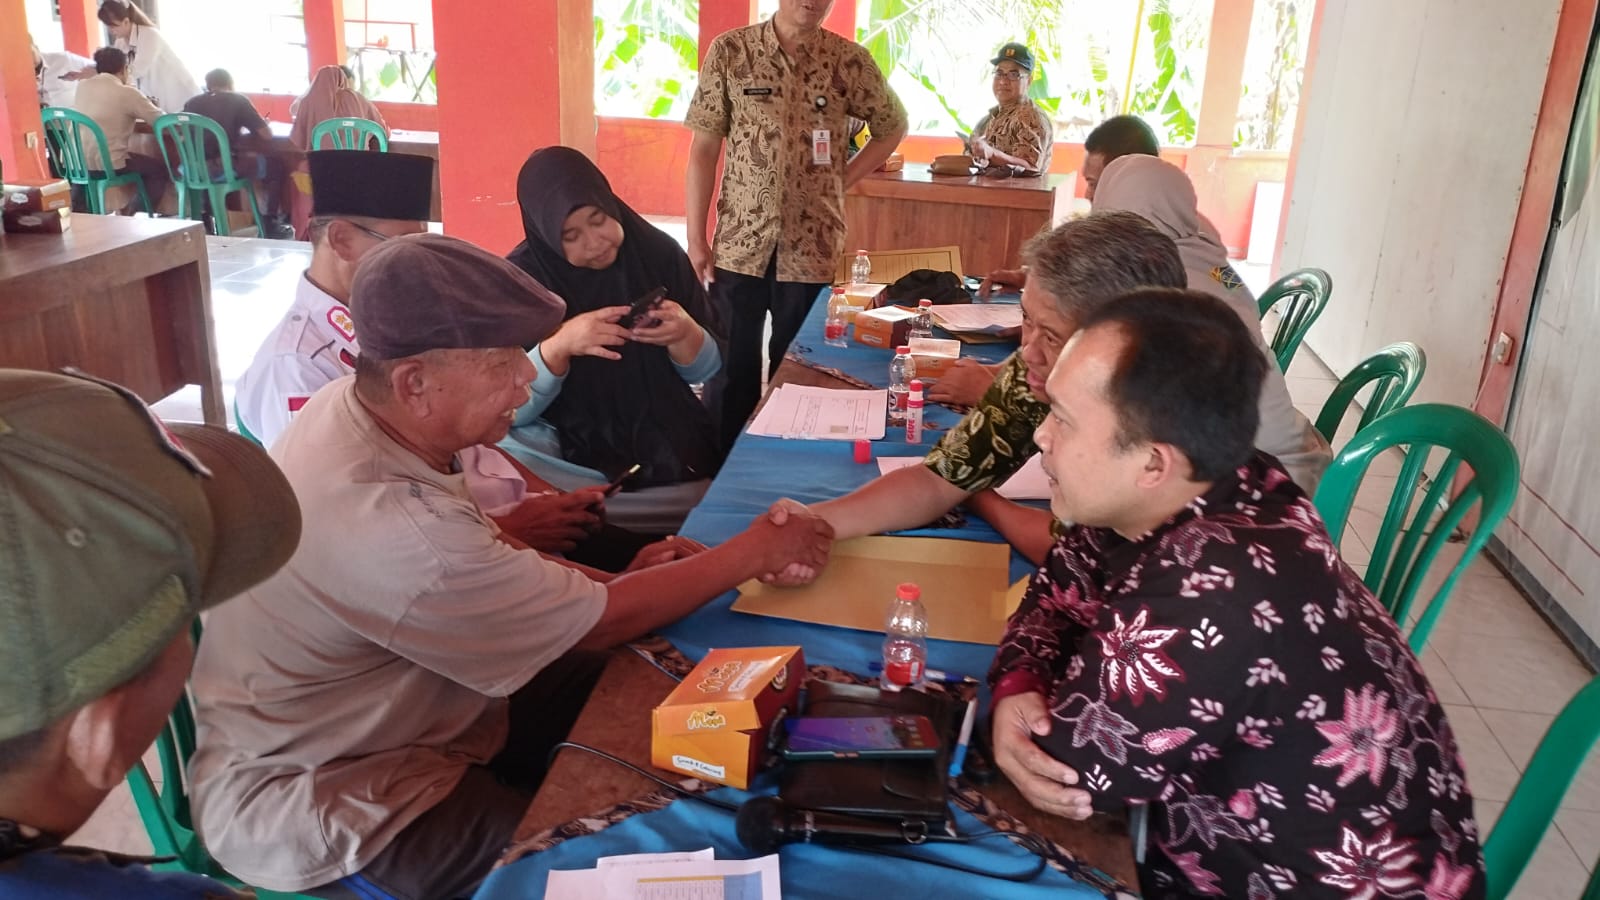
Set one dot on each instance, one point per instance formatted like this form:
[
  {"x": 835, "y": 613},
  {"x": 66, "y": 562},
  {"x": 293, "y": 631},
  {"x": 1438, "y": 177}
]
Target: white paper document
[
  {"x": 1028, "y": 484},
  {"x": 829, "y": 414},
  {"x": 669, "y": 876},
  {"x": 980, "y": 318}
]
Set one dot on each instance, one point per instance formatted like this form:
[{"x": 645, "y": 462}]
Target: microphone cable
[{"x": 1032, "y": 843}]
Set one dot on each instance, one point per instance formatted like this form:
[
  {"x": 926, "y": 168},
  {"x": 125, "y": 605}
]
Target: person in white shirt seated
[{"x": 118, "y": 108}]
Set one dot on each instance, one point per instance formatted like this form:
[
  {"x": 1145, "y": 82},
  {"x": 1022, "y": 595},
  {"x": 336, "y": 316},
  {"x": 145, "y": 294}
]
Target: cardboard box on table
[
  {"x": 718, "y": 724},
  {"x": 886, "y": 327}
]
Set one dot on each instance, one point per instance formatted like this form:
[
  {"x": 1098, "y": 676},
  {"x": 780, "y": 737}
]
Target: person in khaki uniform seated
[
  {"x": 118, "y": 108},
  {"x": 379, "y": 714},
  {"x": 117, "y": 532},
  {"x": 1016, "y": 132}
]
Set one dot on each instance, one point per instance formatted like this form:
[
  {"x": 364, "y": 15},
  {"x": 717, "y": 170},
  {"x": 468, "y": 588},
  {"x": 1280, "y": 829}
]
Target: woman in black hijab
[{"x": 608, "y": 397}]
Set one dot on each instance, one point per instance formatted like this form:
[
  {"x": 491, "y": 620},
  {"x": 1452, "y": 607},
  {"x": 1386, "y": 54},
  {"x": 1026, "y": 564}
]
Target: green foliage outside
[{"x": 647, "y": 57}]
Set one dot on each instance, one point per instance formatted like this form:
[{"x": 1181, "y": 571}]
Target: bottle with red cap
[
  {"x": 833, "y": 328},
  {"x": 901, "y": 370},
  {"x": 914, "y": 413},
  {"x": 905, "y": 640}
]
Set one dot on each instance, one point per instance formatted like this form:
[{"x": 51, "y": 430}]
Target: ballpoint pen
[{"x": 958, "y": 759}]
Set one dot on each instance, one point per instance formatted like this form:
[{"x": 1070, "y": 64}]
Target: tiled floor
[{"x": 1501, "y": 671}]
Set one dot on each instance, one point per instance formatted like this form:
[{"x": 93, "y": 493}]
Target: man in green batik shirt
[{"x": 1072, "y": 271}]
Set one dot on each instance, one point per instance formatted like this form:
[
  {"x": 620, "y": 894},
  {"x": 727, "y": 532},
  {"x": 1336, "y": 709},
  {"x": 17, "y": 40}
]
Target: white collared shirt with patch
[{"x": 314, "y": 344}]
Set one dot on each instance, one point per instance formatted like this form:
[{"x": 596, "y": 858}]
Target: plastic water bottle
[
  {"x": 905, "y": 640},
  {"x": 861, "y": 269},
  {"x": 833, "y": 328},
  {"x": 914, "y": 413},
  {"x": 922, "y": 325},
  {"x": 901, "y": 370}
]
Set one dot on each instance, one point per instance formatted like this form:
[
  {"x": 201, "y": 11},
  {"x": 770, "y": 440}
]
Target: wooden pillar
[
  {"x": 324, "y": 20},
  {"x": 1219, "y": 102},
  {"x": 491, "y": 116},
  {"x": 81, "y": 31},
  {"x": 842, "y": 19},
  {"x": 19, "y": 97}
]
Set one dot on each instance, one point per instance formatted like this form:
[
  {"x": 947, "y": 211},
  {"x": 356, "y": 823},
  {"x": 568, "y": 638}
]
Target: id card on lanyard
[{"x": 821, "y": 147}]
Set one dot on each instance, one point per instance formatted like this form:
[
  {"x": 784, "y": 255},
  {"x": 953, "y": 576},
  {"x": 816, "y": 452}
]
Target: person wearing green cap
[
  {"x": 1016, "y": 132},
  {"x": 115, "y": 532}
]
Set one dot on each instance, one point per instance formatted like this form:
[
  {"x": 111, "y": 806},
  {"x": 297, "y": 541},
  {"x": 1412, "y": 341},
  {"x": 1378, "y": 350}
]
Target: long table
[
  {"x": 582, "y": 792},
  {"x": 988, "y": 218},
  {"x": 127, "y": 299}
]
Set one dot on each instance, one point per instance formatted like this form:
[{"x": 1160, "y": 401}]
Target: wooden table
[
  {"x": 126, "y": 299},
  {"x": 617, "y": 719},
  {"x": 988, "y": 218},
  {"x": 416, "y": 143}
]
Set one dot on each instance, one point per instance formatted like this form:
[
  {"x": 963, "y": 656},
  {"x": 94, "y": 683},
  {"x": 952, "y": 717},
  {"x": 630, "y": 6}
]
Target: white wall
[{"x": 1419, "y": 119}]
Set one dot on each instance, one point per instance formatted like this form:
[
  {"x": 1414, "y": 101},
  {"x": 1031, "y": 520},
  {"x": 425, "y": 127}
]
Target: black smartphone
[
  {"x": 865, "y": 737},
  {"x": 637, "y": 314},
  {"x": 616, "y": 483}
]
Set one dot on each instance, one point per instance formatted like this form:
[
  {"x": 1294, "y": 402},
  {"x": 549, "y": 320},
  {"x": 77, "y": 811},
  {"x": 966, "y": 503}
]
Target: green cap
[
  {"x": 115, "y": 531},
  {"x": 1014, "y": 52}
]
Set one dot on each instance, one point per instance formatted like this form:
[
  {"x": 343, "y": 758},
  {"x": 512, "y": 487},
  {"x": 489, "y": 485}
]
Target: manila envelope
[{"x": 964, "y": 587}]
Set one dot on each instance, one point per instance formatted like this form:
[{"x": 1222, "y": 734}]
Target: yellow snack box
[{"x": 716, "y": 725}]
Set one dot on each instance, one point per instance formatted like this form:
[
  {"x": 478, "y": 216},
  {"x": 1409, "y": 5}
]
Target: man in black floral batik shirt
[{"x": 1195, "y": 643}]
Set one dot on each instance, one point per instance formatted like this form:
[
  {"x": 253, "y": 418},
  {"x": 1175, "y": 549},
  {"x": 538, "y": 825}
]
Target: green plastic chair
[
  {"x": 63, "y": 128},
  {"x": 165, "y": 811},
  {"x": 1533, "y": 804},
  {"x": 1306, "y": 291},
  {"x": 1394, "y": 372},
  {"x": 192, "y": 174},
  {"x": 350, "y": 134},
  {"x": 1410, "y": 538}
]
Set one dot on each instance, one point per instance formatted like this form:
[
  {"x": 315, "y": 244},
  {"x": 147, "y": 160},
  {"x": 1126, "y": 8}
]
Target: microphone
[{"x": 766, "y": 823}]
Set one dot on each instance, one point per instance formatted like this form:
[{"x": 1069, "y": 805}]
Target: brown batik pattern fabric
[
  {"x": 1022, "y": 130},
  {"x": 993, "y": 441},
  {"x": 768, "y": 107}
]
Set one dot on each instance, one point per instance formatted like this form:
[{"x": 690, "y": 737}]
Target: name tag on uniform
[
  {"x": 758, "y": 92},
  {"x": 821, "y": 147}
]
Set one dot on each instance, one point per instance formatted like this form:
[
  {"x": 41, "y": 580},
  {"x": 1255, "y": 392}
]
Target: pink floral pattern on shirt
[{"x": 1229, "y": 670}]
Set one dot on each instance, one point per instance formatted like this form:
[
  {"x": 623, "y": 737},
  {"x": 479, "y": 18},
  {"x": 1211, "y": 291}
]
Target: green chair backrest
[
  {"x": 188, "y": 132},
  {"x": 1412, "y": 534},
  {"x": 62, "y": 128},
  {"x": 165, "y": 811},
  {"x": 1394, "y": 372},
  {"x": 1544, "y": 782},
  {"x": 1306, "y": 292},
  {"x": 349, "y": 134}
]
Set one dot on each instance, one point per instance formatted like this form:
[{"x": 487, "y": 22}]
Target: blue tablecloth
[
  {"x": 806, "y": 871},
  {"x": 761, "y": 470}
]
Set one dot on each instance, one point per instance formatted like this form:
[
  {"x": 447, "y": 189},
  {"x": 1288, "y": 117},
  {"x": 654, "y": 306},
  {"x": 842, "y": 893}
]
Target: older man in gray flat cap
[{"x": 378, "y": 715}]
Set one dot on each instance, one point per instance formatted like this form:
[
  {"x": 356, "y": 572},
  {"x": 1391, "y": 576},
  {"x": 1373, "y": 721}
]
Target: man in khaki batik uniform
[
  {"x": 1016, "y": 132},
  {"x": 781, "y": 94}
]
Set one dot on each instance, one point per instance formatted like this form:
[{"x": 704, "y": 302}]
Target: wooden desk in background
[
  {"x": 126, "y": 299},
  {"x": 416, "y": 143},
  {"x": 988, "y": 218}
]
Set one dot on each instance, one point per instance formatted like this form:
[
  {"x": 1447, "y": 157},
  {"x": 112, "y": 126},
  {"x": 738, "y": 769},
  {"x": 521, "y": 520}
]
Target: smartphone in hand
[{"x": 638, "y": 315}]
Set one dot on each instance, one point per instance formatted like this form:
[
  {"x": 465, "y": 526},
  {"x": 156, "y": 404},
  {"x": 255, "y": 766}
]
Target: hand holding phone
[
  {"x": 638, "y": 315},
  {"x": 616, "y": 483}
]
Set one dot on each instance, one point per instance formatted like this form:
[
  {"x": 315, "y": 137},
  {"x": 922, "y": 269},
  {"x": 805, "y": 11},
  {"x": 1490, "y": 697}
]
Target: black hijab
[{"x": 612, "y": 414}]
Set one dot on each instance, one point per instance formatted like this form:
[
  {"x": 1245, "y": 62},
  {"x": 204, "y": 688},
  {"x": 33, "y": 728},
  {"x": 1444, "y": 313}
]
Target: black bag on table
[{"x": 926, "y": 284}]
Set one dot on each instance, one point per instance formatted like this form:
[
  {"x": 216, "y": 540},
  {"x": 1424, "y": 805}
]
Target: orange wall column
[
  {"x": 81, "y": 32},
  {"x": 514, "y": 76},
  {"x": 842, "y": 19},
  {"x": 324, "y": 34},
  {"x": 717, "y": 16},
  {"x": 19, "y": 97},
  {"x": 1219, "y": 114}
]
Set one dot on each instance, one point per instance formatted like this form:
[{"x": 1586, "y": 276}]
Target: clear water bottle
[
  {"x": 901, "y": 370},
  {"x": 833, "y": 328},
  {"x": 861, "y": 269},
  {"x": 905, "y": 640},
  {"x": 922, "y": 325}
]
